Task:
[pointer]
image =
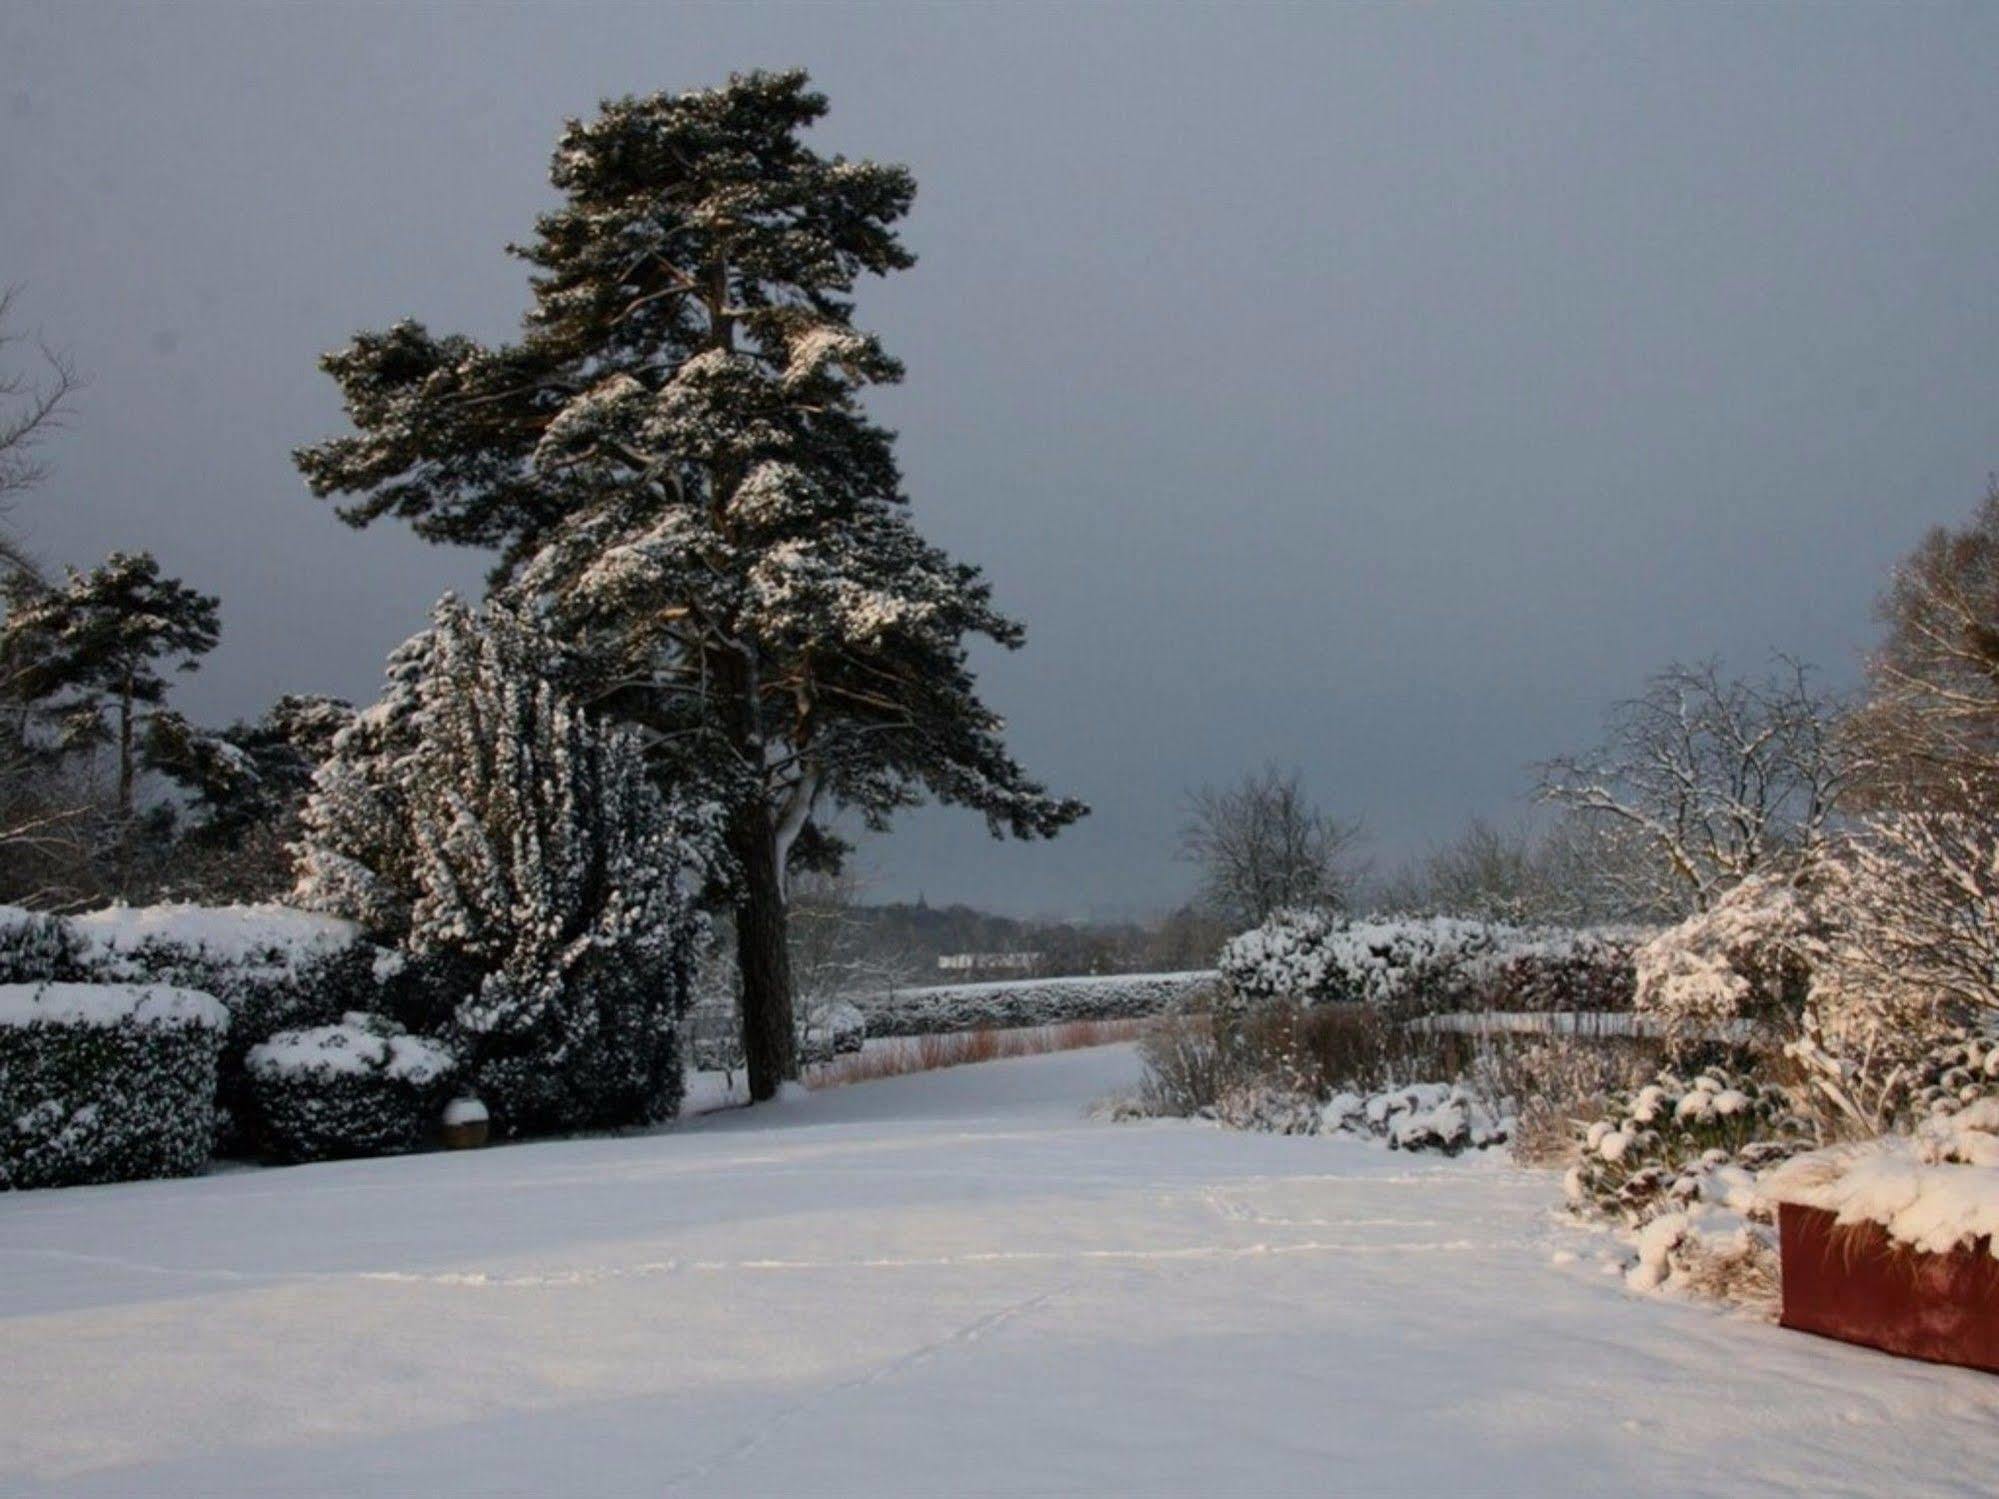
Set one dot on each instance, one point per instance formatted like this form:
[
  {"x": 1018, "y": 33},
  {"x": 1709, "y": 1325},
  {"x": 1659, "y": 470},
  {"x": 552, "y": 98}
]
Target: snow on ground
[{"x": 949, "y": 1283}]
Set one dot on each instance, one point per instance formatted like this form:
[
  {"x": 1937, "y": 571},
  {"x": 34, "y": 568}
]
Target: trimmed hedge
[
  {"x": 1009, "y": 1004},
  {"x": 271, "y": 967},
  {"x": 1429, "y": 965},
  {"x": 105, "y": 1082},
  {"x": 361, "y": 1087}
]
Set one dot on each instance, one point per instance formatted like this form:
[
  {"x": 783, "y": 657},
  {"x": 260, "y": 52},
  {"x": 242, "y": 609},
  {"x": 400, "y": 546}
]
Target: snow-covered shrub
[
  {"x": 1674, "y": 1141},
  {"x": 1745, "y": 962},
  {"x": 513, "y": 846},
  {"x": 1551, "y": 1082},
  {"x": 714, "y": 1032},
  {"x": 834, "y": 1029},
  {"x": 1008, "y": 1003},
  {"x": 1429, "y": 964},
  {"x": 1288, "y": 1069},
  {"x": 1446, "y": 1117},
  {"x": 105, "y": 1082},
  {"x": 36, "y": 948},
  {"x": 1314, "y": 957},
  {"x": 1265, "y": 1105},
  {"x": 1559, "y": 970},
  {"x": 271, "y": 966},
  {"x": 1722, "y": 1250},
  {"x": 361, "y": 1087}
]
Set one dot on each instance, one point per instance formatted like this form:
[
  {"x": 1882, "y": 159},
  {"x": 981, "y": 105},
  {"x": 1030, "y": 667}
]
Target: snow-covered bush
[
  {"x": 1446, "y": 1117},
  {"x": 105, "y": 1082},
  {"x": 1429, "y": 964},
  {"x": 831, "y": 1030},
  {"x": 271, "y": 966},
  {"x": 1010, "y": 1003},
  {"x": 1586, "y": 970},
  {"x": 514, "y": 847},
  {"x": 1674, "y": 1141},
  {"x": 714, "y": 1033},
  {"x": 36, "y": 948},
  {"x": 1314, "y": 957},
  {"x": 1746, "y": 961},
  {"x": 361, "y": 1087}
]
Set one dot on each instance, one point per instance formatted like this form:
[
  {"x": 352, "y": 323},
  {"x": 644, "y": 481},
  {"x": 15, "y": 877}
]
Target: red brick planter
[{"x": 1858, "y": 1285}]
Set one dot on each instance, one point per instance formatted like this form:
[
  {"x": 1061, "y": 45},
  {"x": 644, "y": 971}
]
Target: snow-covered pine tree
[
  {"x": 675, "y": 465},
  {"x": 87, "y": 657},
  {"x": 517, "y": 848}
]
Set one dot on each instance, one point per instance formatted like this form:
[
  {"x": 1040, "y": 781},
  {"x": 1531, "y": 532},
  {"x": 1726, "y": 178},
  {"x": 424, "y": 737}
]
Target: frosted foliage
[
  {"x": 498, "y": 831},
  {"x": 1733, "y": 961},
  {"x": 1439, "y": 962}
]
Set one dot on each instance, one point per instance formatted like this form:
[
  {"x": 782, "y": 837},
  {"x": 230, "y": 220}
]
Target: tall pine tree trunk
[{"x": 770, "y": 1044}]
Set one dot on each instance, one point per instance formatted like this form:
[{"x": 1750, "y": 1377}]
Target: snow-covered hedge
[
  {"x": 1428, "y": 964},
  {"x": 105, "y": 1083},
  {"x": 1007, "y": 1004},
  {"x": 271, "y": 967},
  {"x": 361, "y": 1087},
  {"x": 825, "y": 1031},
  {"x": 832, "y": 1030},
  {"x": 38, "y": 949}
]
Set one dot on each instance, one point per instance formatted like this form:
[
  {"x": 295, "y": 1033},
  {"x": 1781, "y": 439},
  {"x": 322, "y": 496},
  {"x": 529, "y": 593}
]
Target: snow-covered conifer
[
  {"x": 515, "y": 843},
  {"x": 677, "y": 469}
]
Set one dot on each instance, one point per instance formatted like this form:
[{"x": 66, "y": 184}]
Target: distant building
[{"x": 988, "y": 962}]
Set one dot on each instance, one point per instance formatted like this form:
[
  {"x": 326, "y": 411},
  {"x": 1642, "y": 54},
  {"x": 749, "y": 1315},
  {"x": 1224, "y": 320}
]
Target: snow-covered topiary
[
  {"x": 515, "y": 849},
  {"x": 361, "y": 1087},
  {"x": 105, "y": 1082},
  {"x": 272, "y": 967}
]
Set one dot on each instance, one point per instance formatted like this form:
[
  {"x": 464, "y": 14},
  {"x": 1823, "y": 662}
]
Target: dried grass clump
[
  {"x": 1557, "y": 1084},
  {"x": 1742, "y": 1270}
]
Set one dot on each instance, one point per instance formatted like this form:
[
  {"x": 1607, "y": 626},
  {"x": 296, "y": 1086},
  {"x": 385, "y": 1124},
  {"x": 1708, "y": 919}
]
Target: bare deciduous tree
[
  {"x": 1262, "y": 846},
  {"x": 1710, "y": 779},
  {"x": 31, "y": 409}
]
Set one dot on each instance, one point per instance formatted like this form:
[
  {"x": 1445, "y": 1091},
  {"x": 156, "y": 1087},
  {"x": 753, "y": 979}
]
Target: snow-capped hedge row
[
  {"x": 105, "y": 1083},
  {"x": 362, "y": 1087},
  {"x": 1428, "y": 964},
  {"x": 271, "y": 967},
  {"x": 1007, "y": 1004},
  {"x": 825, "y": 1031}
]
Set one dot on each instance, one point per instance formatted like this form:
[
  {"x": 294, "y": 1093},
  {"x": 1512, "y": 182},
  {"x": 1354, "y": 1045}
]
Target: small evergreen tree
[
  {"x": 515, "y": 846},
  {"x": 248, "y": 785},
  {"x": 89, "y": 656},
  {"x": 675, "y": 464}
]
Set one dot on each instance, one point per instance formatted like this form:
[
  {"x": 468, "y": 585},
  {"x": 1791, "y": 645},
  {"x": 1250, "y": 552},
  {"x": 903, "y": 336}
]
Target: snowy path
[{"x": 936, "y": 1285}]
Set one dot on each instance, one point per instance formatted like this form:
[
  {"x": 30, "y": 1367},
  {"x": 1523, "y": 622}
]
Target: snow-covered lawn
[{"x": 950, "y": 1283}]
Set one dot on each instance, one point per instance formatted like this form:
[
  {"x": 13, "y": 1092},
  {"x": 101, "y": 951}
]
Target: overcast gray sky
[{"x": 1377, "y": 390}]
